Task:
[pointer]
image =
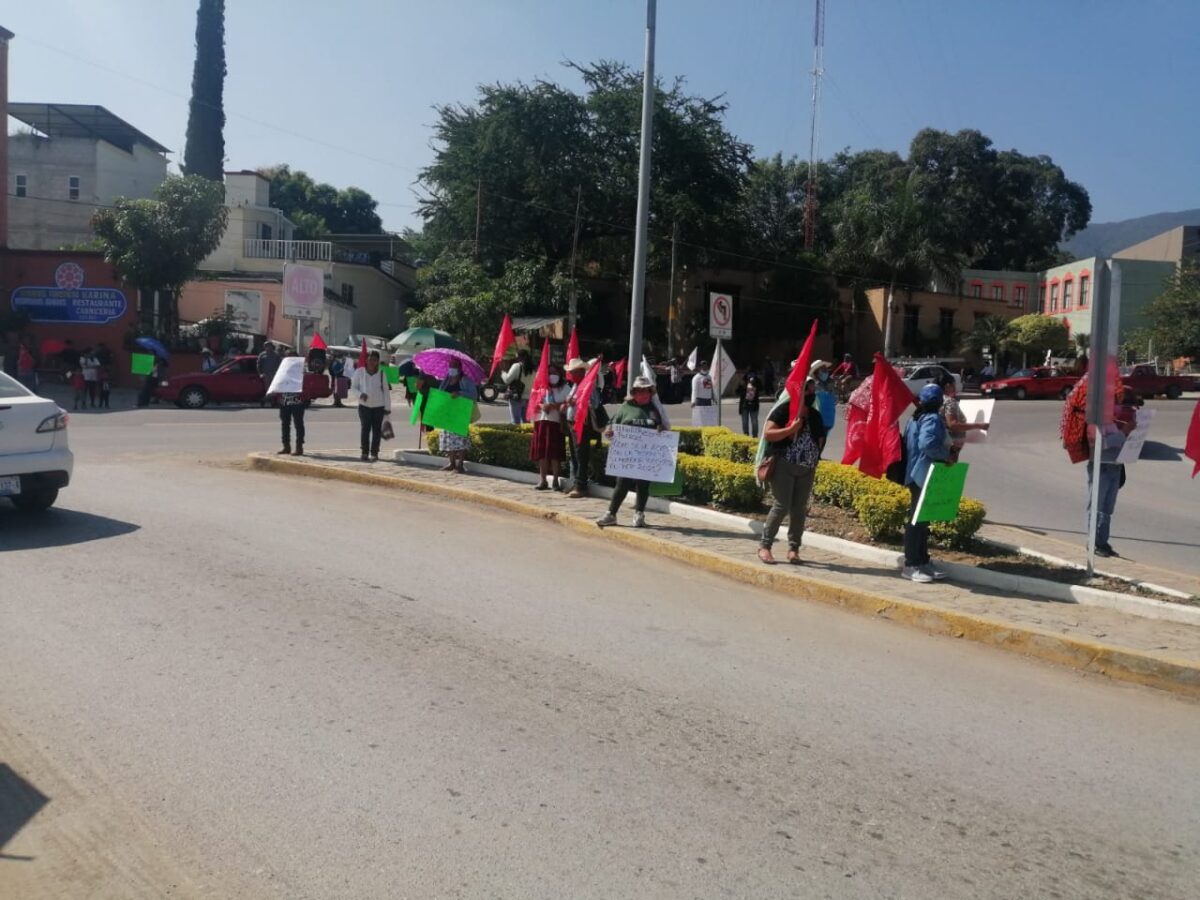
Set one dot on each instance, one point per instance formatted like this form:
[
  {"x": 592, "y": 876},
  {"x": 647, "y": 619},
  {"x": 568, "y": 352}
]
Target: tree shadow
[
  {"x": 55, "y": 528},
  {"x": 20, "y": 801}
]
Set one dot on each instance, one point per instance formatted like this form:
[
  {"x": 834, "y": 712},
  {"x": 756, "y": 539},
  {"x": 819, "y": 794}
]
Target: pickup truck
[
  {"x": 237, "y": 381},
  {"x": 1148, "y": 383}
]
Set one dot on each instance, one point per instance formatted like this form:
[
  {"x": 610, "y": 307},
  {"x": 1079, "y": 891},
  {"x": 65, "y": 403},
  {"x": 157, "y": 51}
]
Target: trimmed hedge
[{"x": 718, "y": 469}]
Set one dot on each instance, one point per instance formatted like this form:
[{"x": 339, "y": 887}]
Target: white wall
[
  {"x": 47, "y": 219},
  {"x": 121, "y": 174}
]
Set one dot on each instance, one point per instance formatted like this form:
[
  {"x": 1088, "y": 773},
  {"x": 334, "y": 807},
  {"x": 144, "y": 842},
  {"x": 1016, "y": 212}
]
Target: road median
[{"x": 1162, "y": 655}]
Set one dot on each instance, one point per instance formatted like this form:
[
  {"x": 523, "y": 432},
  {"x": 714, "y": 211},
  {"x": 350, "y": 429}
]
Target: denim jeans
[
  {"x": 750, "y": 422},
  {"x": 1110, "y": 483},
  {"x": 916, "y": 537},
  {"x": 288, "y": 415},
  {"x": 791, "y": 486},
  {"x": 516, "y": 411}
]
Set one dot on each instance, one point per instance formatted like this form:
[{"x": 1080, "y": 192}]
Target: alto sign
[
  {"x": 303, "y": 291},
  {"x": 68, "y": 301},
  {"x": 720, "y": 316}
]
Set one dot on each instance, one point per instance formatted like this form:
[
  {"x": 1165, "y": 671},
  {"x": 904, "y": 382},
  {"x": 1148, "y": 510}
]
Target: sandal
[
  {"x": 765, "y": 557},
  {"x": 793, "y": 557}
]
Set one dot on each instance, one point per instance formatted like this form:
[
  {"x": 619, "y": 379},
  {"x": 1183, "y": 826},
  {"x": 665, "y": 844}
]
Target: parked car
[
  {"x": 920, "y": 376},
  {"x": 1147, "y": 382},
  {"x": 236, "y": 381},
  {"x": 35, "y": 459},
  {"x": 1039, "y": 382}
]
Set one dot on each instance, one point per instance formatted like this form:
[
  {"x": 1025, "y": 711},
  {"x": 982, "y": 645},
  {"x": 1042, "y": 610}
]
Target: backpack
[{"x": 1072, "y": 427}]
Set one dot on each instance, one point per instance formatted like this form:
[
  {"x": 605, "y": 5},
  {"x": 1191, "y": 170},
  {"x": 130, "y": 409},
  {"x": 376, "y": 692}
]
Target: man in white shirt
[
  {"x": 370, "y": 385},
  {"x": 702, "y": 396}
]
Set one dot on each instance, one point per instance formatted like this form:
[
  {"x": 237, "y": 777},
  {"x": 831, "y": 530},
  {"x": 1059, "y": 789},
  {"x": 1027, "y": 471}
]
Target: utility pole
[
  {"x": 818, "y": 69},
  {"x": 671, "y": 295},
  {"x": 478, "y": 214},
  {"x": 637, "y": 305},
  {"x": 573, "y": 308}
]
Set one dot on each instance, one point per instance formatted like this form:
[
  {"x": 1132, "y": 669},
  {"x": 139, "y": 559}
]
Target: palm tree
[{"x": 990, "y": 333}]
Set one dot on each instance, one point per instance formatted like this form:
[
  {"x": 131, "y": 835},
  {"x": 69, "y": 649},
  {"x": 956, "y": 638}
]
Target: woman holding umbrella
[{"x": 456, "y": 445}]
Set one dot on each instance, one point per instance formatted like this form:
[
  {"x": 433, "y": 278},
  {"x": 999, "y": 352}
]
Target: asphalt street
[{"x": 255, "y": 686}]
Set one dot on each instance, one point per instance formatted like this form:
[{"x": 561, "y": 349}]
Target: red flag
[
  {"x": 573, "y": 346},
  {"x": 856, "y": 426},
  {"x": 317, "y": 342},
  {"x": 1192, "y": 448},
  {"x": 890, "y": 397},
  {"x": 619, "y": 371},
  {"x": 583, "y": 397},
  {"x": 504, "y": 340},
  {"x": 795, "y": 381},
  {"x": 362, "y": 354},
  {"x": 541, "y": 383}
]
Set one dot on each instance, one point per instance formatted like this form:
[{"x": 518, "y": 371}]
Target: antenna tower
[{"x": 818, "y": 70}]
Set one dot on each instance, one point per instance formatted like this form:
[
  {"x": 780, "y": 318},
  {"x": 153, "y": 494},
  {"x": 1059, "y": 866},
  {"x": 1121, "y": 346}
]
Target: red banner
[{"x": 583, "y": 397}]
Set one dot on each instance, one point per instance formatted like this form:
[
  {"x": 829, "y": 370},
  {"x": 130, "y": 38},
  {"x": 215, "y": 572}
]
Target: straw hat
[
  {"x": 818, "y": 365},
  {"x": 577, "y": 365},
  {"x": 641, "y": 383}
]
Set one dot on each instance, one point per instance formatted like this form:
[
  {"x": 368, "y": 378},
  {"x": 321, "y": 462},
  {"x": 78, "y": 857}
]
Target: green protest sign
[
  {"x": 448, "y": 413},
  {"x": 392, "y": 374},
  {"x": 943, "y": 489},
  {"x": 410, "y": 382},
  {"x": 141, "y": 363},
  {"x": 416, "y": 413},
  {"x": 668, "y": 488}
]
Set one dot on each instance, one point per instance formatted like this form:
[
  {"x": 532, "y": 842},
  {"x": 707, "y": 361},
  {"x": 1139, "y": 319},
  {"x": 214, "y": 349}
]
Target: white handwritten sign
[
  {"x": 977, "y": 412},
  {"x": 1132, "y": 448},
  {"x": 289, "y": 377},
  {"x": 642, "y": 453}
]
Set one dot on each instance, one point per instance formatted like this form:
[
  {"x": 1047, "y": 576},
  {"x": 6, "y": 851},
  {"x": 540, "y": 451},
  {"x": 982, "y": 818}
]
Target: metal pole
[
  {"x": 718, "y": 377},
  {"x": 671, "y": 295},
  {"x": 637, "y": 305},
  {"x": 573, "y": 308}
]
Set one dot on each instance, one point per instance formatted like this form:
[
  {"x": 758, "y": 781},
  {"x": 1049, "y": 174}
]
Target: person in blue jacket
[{"x": 926, "y": 442}]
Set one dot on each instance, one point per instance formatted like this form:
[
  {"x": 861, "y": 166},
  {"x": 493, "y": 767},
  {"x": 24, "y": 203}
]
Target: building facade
[{"x": 70, "y": 161}]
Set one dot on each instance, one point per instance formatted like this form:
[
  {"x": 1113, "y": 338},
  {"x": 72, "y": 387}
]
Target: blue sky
[{"x": 346, "y": 91}]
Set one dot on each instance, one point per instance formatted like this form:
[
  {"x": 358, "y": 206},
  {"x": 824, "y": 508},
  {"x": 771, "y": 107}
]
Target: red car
[
  {"x": 1032, "y": 383},
  {"x": 236, "y": 381},
  {"x": 1147, "y": 382}
]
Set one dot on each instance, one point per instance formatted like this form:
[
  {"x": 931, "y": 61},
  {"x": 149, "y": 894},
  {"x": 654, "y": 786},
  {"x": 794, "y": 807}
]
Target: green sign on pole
[
  {"x": 447, "y": 412},
  {"x": 141, "y": 363},
  {"x": 943, "y": 489},
  {"x": 392, "y": 374},
  {"x": 410, "y": 382},
  {"x": 416, "y": 413}
]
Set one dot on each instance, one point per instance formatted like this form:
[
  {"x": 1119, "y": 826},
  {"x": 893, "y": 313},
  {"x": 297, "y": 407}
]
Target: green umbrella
[{"x": 417, "y": 339}]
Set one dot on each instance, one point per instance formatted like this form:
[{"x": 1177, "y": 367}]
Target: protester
[
  {"x": 105, "y": 386},
  {"x": 341, "y": 384},
  {"x": 956, "y": 421},
  {"x": 926, "y": 442},
  {"x": 27, "y": 368},
  {"x": 826, "y": 402},
  {"x": 457, "y": 445},
  {"x": 79, "y": 389},
  {"x": 639, "y": 411},
  {"x": 846, "y": 370},
  {"x": 796, "y": 448},
  {"x": 702, "y": 392},
  {"x": 514, "y": 381},
  {"x": 208, "y": 362},
  {"x": 268, "y": 364},
  {"x": 594, "y": 420},
  {"x": 547, "y": 448},
  {"x": 90, "y": 366},
  {"x": 749, "y": 394},
  {"x": 675, "y": 371},
  {"x": 291, "y": 411},
  {"x": 374, "y": 395}
]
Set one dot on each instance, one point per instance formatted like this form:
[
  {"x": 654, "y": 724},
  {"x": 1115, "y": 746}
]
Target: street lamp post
[{"x": 637, "y": 305}]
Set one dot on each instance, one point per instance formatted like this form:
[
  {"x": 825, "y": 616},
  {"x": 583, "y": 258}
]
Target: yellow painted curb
[{"x": 1177, "y": 676}]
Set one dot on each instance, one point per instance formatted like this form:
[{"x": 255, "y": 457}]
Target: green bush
[
  {"x": 957, "y": 534},
  {"x": 718, "y": 481},
  {"x": 691, "y": 440},
  {"x": 839, "y": 485},
  {"x": 721, "y": 443},
  {"x": 881, "y": 509}
]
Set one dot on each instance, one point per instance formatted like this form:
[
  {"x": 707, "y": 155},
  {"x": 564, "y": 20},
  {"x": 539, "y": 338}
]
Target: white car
[
  {"x": 930, "y": 374},
  {"x": 35, "y": 460}
]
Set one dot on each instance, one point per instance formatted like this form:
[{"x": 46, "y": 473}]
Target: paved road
[
  {"x": 234, "y": 684},
  {"x": 1022, "y": 475}
]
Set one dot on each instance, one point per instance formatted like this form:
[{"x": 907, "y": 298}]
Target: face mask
[
  {"x": 554, "y": 379},
  {"x": 823, "y": 376},
  {"x": 453, "y": 372},
  {"x": 641, "y": 398},
  {"x": 704, "y": 371}
]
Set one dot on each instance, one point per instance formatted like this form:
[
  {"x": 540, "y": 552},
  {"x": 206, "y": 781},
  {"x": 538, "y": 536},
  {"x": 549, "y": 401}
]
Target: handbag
[
  {"x": 766, "y": 469},
  {"x": 386, "y": 431}
]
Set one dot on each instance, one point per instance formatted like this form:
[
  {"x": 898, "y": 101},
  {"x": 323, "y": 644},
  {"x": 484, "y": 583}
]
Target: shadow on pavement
[
  {"x": 55, "y": 528},
  {"x": 20, "y": 801},
  {"x": 1157, "y": 451}
]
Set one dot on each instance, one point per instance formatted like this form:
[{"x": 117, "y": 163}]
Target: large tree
[
  {"x": 158, "y": 244},
  {"x": 204, "y": 153},
  {"x": 1175, "y": 316},
  {"x": 320, "y": 209},
  {"x": 1033, "y": 335}
]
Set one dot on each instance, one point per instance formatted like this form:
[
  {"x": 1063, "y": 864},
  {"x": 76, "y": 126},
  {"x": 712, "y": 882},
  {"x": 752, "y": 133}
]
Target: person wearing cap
[
  {"x": 639, "y": 411},
  {"x": 796, "y": 446},
  {"x": 547, "y": 448},
  {"x": 581, "y": 451},
  {"x": 927, "y": 442}
]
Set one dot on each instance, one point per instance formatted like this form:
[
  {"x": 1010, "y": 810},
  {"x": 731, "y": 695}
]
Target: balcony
[{"x": 289, "y": 251}]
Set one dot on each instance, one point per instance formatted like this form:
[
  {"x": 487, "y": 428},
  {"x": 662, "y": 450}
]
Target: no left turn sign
[{"x": 720, "y": 316}]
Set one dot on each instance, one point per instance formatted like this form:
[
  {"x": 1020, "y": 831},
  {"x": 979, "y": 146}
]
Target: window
[
  {"x": 911, "y": 332},
  {"x": 266, "y": 231},
  {"x": 1054, "y": 298},
  {"x": 997, "y": 292},
  {"x": 1067, "y": 293},
  {"x": 977, "y": 290},
  {"x": 73, "y": 187},
  {"x": 21, "y": 186},
  {"x": 348, "y": 293},
  {"x": 1019, "y": 296},
  {"x": 1084, "y": 284}
]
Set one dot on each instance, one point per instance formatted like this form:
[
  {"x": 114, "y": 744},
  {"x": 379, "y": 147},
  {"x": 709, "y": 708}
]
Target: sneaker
[
  {"x": 933, "y": 572},
  {"x": 915, "y": 573},
  {"x": 1105, "y": 551},
  {"x": 639, "y": 520},
  {"x": 605, "y": 520},
  {"x": 364, "y": 457}
]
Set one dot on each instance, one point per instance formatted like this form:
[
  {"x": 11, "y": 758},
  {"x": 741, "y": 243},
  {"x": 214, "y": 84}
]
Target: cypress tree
[{"x": 204, "y": 154}]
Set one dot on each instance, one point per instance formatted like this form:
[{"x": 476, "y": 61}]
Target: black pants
[
  {"x": 104, "y": 396},
  {"x": 621, "y": 491},
  {"x": 581, "y": 454},
  {"x": 92, "y": 390},
  {"x": 916, "y": 537},
  {"x": 146, "y": 392},
  {"x": 371, "y": 420},
  {"x": 288, "y": 415}
]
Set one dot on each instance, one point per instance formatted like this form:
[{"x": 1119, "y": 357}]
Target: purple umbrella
[{"x": 437, "y": 362}]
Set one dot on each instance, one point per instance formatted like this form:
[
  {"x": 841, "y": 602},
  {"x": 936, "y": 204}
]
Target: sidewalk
[{"x": 1129, "y": 648}]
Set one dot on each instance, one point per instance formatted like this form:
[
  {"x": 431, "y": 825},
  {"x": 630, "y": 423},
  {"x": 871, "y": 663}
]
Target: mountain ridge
[{"x": 1106, "y": 238}]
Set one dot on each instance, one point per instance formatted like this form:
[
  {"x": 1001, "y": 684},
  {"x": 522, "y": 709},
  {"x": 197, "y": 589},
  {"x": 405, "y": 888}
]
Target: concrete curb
[
  {"x": 1176, "y": 676},
  {"x": 1146, "y": 607}
]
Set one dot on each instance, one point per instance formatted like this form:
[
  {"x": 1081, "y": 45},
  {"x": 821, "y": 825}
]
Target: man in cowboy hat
[{"x": 597, "y": 418}]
